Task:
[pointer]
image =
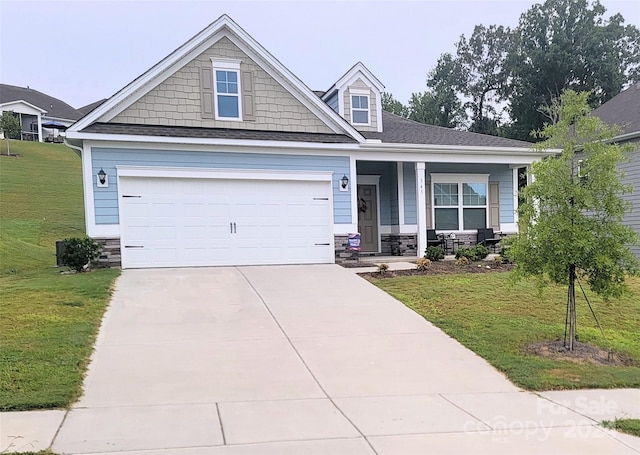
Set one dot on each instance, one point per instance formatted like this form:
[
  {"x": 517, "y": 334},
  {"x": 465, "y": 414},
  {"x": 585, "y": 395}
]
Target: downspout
[{"x": 75, "y": 148}]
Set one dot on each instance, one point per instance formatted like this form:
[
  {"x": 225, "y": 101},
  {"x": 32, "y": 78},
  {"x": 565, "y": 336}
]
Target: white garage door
[{"x": 174, "y": 222}]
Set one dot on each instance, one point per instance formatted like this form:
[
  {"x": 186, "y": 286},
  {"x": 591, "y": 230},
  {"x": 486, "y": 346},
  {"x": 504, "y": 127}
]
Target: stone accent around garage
[{"x": 110, "y": 255}]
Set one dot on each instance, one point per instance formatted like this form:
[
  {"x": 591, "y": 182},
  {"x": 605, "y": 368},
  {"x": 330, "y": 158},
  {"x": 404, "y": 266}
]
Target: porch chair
[
  {"x": 434, "y": 240},
  {"x": 487, "y": 238}
]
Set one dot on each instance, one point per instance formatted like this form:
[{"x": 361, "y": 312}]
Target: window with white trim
[
  {"x": 460, "y": 201},
  {"x": 360, "y": 109},
  {"x": 226, "y": 86}
]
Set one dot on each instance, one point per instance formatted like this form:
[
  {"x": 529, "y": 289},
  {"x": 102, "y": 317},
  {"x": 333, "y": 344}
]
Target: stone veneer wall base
[{"x": 109, "y": 253}]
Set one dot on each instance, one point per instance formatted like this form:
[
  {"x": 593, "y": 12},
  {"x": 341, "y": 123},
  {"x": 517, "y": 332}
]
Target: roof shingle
[
  {"x": 622, "y": 110},
  {"x": 400, "y": 130},
  {"x": 216, "y": 133},
  {"x": 54, "y": 107}
]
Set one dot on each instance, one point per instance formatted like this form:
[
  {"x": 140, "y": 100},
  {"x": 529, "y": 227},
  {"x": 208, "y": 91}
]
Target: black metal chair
[
  {"x": 487, "y": 238},
  {"x": 434, "y": 240}
]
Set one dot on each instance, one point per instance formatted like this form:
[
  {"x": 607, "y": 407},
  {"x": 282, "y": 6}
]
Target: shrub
[
  {"x": 383, "y": 267},
  {"x": 472, "y": 253},
  {"x": 422, "y": 264},
  {"x": 505, "y": 253},
  {"x": 78, "y": 253},
  {"x": 462, "y": 260},
  {"x": 434, "y": 253}
]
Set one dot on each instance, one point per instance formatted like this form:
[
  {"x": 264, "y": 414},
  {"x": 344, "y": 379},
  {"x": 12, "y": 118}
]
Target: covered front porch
[{"x": 396, "y": 202}]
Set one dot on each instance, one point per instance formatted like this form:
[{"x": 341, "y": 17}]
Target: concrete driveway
[{"x": 298, "y": 359}]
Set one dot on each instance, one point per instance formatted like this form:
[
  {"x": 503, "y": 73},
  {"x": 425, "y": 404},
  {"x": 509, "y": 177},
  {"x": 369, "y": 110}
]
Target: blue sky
[{"x": 82, "y": 51}]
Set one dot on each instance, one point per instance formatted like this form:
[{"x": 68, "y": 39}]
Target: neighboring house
[
  {"x": 219, "y": 155},
  {"x": 624, "y": 110},
  {"x": 84, "y": 110},
  {"x": 33, "y": 109}
]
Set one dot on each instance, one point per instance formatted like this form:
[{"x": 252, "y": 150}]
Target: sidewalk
[{"x": 35, "y": 430}]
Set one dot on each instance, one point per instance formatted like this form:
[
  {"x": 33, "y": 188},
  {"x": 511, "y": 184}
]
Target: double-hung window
[
  {"x": 460, "y": 201},
  {"x": 359, "y": 109},
  {"x": 227, "y": 89}
]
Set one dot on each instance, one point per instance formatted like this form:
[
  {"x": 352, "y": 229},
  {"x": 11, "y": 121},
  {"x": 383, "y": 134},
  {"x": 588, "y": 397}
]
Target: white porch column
[
  {"x": 400, "y": 170},
  {"x": 40, "y": 139},
  {"x": 421, "y": 209}
]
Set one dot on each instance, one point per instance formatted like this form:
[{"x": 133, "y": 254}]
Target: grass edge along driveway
[
  {"x": 497, "y": 321},
  {"x": 48, "y": 320}
]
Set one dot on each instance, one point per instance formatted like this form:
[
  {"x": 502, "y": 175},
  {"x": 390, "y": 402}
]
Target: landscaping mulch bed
[
  {"x": 442, "y": 268},
  {"x": 582, "y": 353}
]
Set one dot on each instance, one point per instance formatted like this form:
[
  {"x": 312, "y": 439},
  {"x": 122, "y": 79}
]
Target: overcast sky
[{"x": 83, "y": 51}]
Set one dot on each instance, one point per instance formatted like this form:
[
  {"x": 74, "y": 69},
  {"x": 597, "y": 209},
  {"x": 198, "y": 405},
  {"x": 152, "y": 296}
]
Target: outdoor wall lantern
[
  {"x": 102, "y": 179},
  {"x": 344, "y": 182}
]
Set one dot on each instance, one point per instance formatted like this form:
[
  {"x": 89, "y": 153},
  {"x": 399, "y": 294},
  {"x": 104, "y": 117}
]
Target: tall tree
[
  {"x": 444, "y": 82},
  {"x": 567, "y": 44},
  {"x": 390, "y": 104},
  {"x": 484, "y": 75},
  {"x": 571, "y": 222}
]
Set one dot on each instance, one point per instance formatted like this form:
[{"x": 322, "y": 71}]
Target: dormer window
[
  {"x": 360, "y": 109},
  {"x": 228, "y": 104}
]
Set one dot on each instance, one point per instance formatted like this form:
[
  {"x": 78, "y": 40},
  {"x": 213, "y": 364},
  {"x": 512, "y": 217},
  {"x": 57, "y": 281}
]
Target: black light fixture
[
  {"x": 344, "y": 181},
  {"x": 102, "y": 176}
]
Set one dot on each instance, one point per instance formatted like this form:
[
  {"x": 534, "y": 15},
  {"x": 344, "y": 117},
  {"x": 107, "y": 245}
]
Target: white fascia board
[
  {"x": 9, "y": 106},
  {"x": 459, "y": 156},
  {"x": 328, "y": 93},
  {"x": 350, "y": 75},
  {"x": 119, "y": 139},
  {"x": 236, "y": 174}
]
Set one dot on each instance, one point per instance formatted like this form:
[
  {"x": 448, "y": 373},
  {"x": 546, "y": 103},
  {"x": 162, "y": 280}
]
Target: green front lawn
[
  {"x": 48, "y": 320},
  {"x": 498, "y": 321}
]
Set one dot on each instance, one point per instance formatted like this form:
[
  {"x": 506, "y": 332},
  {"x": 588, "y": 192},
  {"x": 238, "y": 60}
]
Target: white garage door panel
[{"x": 190, "y": 222}]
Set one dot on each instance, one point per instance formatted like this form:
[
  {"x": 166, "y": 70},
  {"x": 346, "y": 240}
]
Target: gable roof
[
  {"x": 400, "y": 130},
  {"x": 350, "y": 74},
  {"x": 622, "y": 110},
  {"x": 224, "y": 26},
  {"x": 52, "y": 106}
]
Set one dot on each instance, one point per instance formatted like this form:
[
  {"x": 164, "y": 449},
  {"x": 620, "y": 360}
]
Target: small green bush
[
  {"x": 434, "y": 253},
  {"x": 472, "y": 253},
  {"x": 78, "y": 253},
  {"x": 422, "y": 264}
]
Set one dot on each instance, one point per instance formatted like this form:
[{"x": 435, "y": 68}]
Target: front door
[{"x": 368, "y": 218}]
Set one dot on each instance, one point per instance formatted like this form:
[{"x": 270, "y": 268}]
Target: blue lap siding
[{"x": 106, "y": 199}]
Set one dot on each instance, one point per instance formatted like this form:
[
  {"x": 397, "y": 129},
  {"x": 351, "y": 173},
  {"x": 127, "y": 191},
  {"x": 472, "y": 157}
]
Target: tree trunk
[{"x": 572, "y": 305}]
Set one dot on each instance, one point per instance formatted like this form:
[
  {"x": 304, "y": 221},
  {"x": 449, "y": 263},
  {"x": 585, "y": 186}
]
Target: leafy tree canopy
[
  {"x": 567, "y": 44},
  {"x": 498, "y": 79},
  {"x": 570, "y": 224}
]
